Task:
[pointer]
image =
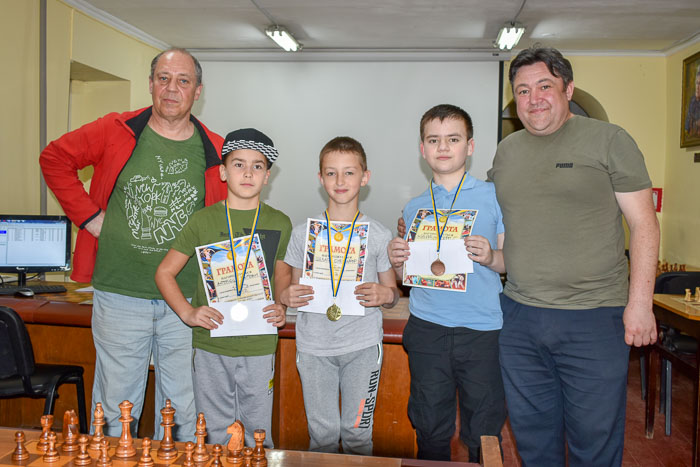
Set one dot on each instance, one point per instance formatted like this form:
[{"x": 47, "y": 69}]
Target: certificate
[
  {"x": 317, "y": 264},
  {"x": 217, "y": 270},
  {"x": 422, "y": 241}
]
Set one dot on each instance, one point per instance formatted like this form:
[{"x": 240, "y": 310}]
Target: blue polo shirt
[{"x": 479, "y": 307}]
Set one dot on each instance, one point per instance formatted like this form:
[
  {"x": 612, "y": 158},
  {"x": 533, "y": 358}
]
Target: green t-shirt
[
  {"x": 209, "y": 226},
  {"x": 564, "y": 241},
  {"x": 157, "y": 191}
]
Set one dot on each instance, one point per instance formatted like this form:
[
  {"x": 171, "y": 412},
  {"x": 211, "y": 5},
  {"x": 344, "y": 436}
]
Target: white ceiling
[{"x": 634, "y": 26}]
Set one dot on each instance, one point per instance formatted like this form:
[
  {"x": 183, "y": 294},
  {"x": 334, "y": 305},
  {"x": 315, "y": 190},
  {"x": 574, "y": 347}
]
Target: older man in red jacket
[{"x": 152, "y": 169}]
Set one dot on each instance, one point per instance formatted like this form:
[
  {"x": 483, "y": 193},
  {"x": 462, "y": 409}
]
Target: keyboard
[{"x": 37, "y": 289}]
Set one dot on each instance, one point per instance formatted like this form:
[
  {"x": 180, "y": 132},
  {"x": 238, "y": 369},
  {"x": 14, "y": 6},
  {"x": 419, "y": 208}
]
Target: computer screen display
[{"x": 30, "y": 244}]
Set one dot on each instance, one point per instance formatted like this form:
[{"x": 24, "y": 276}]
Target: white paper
[
  {"x": 323, "y": 297},
  {"x": 452, "y": 254},
  {"x": 239, "y": 323}
]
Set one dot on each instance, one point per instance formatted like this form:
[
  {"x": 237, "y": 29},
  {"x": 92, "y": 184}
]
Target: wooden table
[
  {"x": 59, "y": 326},
  {"x": 671, "y": 309},
  {"x": 275, "y": 457}
]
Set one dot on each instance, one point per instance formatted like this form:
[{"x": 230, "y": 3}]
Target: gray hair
[
  {"x": 197, "y": 66},
  {"x": 556, "y": 63}
]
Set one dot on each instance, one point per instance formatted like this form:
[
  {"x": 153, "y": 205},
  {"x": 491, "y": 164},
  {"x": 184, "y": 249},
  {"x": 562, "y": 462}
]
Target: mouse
[{"x": 24, "y": 293}]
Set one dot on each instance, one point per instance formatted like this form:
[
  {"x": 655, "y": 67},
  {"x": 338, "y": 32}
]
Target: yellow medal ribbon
[
  {"x": 435, "y": 211},
  {"x": 335, "y": 286},
  {"x": 239, "y": 285}
]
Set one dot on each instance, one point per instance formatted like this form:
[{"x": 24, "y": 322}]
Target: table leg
[
  {"x": 696, "y": 434},
  {"x": 652, "y": 374}
]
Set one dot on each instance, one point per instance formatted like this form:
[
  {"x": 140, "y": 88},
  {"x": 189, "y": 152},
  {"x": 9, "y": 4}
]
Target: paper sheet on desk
[
  {"x": 323, "y": 297},
  {"x": 237, "y": 323},
  {"x": 452, "y": 254}
]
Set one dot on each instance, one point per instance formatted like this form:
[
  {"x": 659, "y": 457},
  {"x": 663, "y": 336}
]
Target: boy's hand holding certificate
[
  {"x": 239, "y": 294},
  {"x": 333, "y": 265}
]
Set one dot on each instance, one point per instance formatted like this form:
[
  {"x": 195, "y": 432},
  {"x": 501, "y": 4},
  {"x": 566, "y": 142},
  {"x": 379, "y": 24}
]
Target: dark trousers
[
  {"x": 445, "y": 362},
  {"x": 565, "y": 376}
]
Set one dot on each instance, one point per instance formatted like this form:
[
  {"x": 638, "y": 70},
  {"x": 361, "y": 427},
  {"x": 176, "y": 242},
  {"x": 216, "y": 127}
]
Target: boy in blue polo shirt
[{"x": 452, "y": 337}]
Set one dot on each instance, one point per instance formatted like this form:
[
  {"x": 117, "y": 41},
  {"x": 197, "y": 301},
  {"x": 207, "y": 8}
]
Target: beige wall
[
  {"x": 681, "y": 223},
  {"x": 642, "y": 95}
]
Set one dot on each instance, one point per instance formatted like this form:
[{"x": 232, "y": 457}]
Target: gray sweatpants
[
  {"x": 356, "y": 376},
  {"x": 227, "y": 389}
]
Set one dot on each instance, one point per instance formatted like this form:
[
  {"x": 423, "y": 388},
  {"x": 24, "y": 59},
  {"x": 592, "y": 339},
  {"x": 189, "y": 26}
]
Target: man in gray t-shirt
[{"x": 569, "y": 314}]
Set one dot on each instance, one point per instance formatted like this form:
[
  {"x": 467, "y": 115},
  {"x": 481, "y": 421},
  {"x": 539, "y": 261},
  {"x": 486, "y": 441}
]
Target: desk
[
  {"x": 275, "y": 457},
  {"x": 671, "y": 310},
  {"x": 59, "y": 327}
]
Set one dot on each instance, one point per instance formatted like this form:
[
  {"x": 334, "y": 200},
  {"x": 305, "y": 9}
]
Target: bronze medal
[
  {"x": 333, "y": 312},
  {"x": 437, "y": 268}
]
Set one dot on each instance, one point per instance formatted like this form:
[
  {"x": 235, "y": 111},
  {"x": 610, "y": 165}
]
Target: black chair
[
  {"x": 21, "y": 377},
  {"x": 672, "y": 346}
]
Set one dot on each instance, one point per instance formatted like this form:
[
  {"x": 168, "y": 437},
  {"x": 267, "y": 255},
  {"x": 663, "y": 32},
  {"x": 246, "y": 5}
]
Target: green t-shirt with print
[
  {"x": 158, "y": 190},
  {"x": 209, "y": 226}
]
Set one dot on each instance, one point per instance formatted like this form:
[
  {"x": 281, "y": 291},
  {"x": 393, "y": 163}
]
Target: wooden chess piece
[
  {"x": 200, "y": 451},
  {"x": 146, "y": 460},
  {"x": 126, "y": 442},
  {"x": 189, "y": 450},
  {"x": 167, "y": 449},
  {"x": 217, "y": 450},
  {"x": 688, "y": 297},
  {"x": 104, "y": 460},
  {"x": 98, "y": 421},
  {"x": 46, "y": 423},
  {"x": 247, "y": 457},
  {"x": 697, "y": 294},
  {"x": 51, "y": 454},
  {"x": 235, "y": 443},
  {"x": 259, "y": 459},
  {"x": 83, "y": 458},
  {"x": 70, "y": 431},
  {"x": 20, "y": 453}
]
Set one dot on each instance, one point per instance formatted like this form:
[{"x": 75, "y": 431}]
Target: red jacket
[{"x": 107, "y": 144}]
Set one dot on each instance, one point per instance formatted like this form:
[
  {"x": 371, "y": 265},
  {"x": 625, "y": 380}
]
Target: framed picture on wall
[{"x": 690, "y": 107}]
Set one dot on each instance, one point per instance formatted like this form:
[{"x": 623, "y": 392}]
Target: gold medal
[
  {"x": 443, "y": 219},
  {"x": 338, "y": 236},
  {"x": 437, "y": 267},
  {"x": 333, "y": 312}
]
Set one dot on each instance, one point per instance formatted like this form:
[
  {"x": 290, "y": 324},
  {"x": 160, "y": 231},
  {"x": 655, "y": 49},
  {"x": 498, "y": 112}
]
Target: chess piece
[
  {"x": 98, "y": 421},
  {"x": 688, "y": 297},
  {"x": 46, "y": 423},
  {"x": 217, "y": 450},
  {"x": 146, "y": 460},
  {"x": 247, "y": 457},
  {"x": 697, "y": 294},
  {"x": 83, "y": 458},
  {"x": 51, "y": 454},
  {"x": 104, "y": 460},
  {"x": 70, "y": 431},
  {"x": 235, "y": 443},
  {"x": 167, "y": 449},
  {"x": 200, "y": 451},
  {"x": 259, "y": 459},
  {"x": 189, "y": 450},
  {"x": 126, "y": 442},
  {"x": 20, "y": 453}
]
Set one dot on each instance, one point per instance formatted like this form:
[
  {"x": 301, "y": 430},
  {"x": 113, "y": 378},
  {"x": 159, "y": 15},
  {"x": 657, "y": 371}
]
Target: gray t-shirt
[
  {"x": 316, "y": 334},
  {"x": 564, "y": 243}
]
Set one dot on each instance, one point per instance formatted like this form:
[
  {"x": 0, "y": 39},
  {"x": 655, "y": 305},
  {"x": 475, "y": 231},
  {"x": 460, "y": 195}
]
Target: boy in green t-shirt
[{"x": 233, "y": 376}]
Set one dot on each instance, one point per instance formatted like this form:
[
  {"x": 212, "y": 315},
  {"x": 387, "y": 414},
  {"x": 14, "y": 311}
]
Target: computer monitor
[{"x": 34, "y": 244}]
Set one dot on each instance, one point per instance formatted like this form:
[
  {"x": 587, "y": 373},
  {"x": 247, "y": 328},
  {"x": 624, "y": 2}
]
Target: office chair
[{"x": 20, "y": 376}]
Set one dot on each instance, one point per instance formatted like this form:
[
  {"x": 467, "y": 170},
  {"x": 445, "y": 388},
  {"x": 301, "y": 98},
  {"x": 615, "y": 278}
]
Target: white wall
[{"x": 303, "y": 105}]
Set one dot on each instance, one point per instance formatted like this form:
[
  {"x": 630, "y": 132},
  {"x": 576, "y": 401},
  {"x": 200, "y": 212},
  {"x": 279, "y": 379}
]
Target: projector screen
[{"x": 302, "y": 105}]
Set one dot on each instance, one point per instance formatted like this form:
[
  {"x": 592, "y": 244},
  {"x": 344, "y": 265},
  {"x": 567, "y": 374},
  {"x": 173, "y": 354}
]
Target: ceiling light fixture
[
  {"x": 511, "y": 32},
  {"x": 283, "y": 38},
  {"x": 509, "y": 35}
]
